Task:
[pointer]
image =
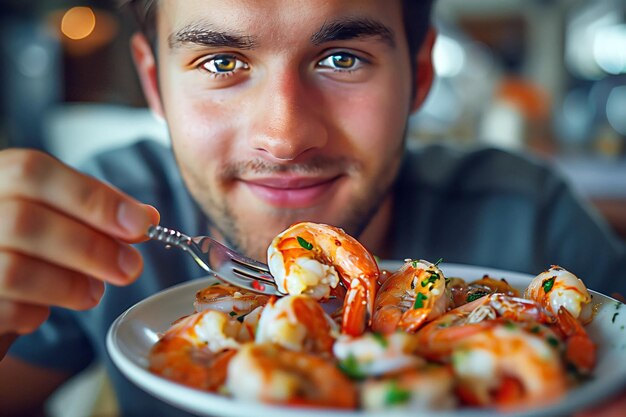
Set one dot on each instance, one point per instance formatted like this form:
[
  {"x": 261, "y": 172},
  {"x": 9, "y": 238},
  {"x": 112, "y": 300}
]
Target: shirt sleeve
[{"x": 58, "y": 344}]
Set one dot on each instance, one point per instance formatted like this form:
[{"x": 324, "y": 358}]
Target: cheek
[
  {"x": 374, "y": 119},
  {"x": 202, "y": 128}
]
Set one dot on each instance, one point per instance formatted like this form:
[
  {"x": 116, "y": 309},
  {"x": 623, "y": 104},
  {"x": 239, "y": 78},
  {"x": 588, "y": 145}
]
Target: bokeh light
[{"x": 78, "y": 23}]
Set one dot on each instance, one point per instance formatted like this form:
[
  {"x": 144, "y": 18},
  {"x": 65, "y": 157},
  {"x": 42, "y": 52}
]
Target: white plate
[{"x": 133, "y": 333}]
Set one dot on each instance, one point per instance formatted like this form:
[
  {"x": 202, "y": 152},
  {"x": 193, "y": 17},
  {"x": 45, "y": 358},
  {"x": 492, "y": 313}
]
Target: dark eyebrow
[
  {"x": 352, "y": 28},
  {"x": 205, "y": 35}
]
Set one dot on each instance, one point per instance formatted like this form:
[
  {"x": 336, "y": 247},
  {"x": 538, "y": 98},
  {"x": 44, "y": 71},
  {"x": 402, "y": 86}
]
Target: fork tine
[
  {"x": 249, "y": 262},
  {"x": 255, "y": 283},
  {"x": 257, "y": 273},
  {"x": 228, "y": 266}
]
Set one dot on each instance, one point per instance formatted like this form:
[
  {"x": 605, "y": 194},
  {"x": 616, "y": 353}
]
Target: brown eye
[
  {"x": 221, "y": 64},
  {"x": 344, "y": 61},
  {"x": 340, "y": 62}
]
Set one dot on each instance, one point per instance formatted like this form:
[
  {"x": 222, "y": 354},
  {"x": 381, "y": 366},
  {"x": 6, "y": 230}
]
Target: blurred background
[{"x": 546, "y": 77}]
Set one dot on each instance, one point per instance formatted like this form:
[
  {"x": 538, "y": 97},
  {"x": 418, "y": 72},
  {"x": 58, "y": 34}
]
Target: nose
[{"x": 288, "y": 117}]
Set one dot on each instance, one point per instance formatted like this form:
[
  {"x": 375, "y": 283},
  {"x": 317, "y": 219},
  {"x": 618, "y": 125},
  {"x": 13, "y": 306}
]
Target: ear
[
  {"x": 145, "y": 63},
  {"x": 424, "y": 71}
]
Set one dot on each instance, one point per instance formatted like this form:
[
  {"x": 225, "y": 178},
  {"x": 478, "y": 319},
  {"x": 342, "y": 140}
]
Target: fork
[{"x": 220, "y": 261}]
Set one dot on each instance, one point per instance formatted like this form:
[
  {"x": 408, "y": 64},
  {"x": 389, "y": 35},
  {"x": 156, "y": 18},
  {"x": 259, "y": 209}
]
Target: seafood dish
[{"x": 349, "y": 336}]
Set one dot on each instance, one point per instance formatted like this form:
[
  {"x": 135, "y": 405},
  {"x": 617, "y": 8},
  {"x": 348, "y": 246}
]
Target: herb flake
[
  {"x": 552, "y": 341},
  {"x": 419, "y": 300},
  {"x": 396, "y": 395},
  {"x": 380, "y": 338},
  {"x": 350, "y": 367},
  {"x": 306, "y": 245},
  {"x": 431, "y": 279},
  {"x": 548, "y": 284},
  {"x": 475, "y": 296}
]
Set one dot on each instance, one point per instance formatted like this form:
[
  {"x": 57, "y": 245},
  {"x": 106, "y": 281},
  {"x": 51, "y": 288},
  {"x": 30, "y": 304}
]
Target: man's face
[{"x": 285, "y": 110}]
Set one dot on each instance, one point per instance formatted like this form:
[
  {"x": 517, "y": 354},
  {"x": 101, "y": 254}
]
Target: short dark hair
[{"x": 416, "y": 20}]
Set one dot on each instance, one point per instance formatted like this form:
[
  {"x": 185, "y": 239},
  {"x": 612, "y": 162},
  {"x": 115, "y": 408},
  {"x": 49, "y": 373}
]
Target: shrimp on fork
[
  {"x": 410, "y": 297},
  {"x": 311, "y": 258}
]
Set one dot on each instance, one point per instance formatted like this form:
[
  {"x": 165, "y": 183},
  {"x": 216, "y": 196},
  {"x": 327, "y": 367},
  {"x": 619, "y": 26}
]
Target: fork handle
[{"x": 169, "y": 236}]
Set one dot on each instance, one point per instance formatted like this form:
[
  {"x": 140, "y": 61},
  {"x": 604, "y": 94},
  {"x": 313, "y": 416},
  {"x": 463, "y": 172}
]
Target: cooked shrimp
[
  {"x": 413, "y": 295},
  {"x": 580, "y": 350},
  {"x": 310, "y": 258},
  {"x": 430, "y": 387},
  {"x": 271, "y": 374},
  {"x": 297, "y": 322},
  {"x": 228, "y": 299},
  {"x": 196, "y": 350},
  {"x": 556, "y": 288},
  {"x": 437, "y": 338},
  {"x": 508, "y": 367},
  {"x": 461, "y": 292},
  {"x": 375, "y": 354}
]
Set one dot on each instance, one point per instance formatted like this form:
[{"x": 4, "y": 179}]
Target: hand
[{"x": 62, "y": 235}]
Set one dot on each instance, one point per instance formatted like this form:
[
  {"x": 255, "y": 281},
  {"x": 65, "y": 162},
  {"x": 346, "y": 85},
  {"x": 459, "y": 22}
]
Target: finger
[
  {"x": 37, "y": 231},
  {"x": 36, "y": 176},
  {"x": 30, "y": 280},
  {"x": 21, "y": 318},
  {"x": 155, "y": 218},
  {"x": 6, "y": 340}
]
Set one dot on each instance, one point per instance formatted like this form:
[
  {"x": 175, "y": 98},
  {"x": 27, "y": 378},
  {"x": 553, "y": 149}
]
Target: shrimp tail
[
  {"x": 580, "y": 351},
  {"x": 413, "y": 319},
  {"x": 358, "y": 308}
]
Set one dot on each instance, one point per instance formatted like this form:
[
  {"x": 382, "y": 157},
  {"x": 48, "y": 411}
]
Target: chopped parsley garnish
[
  {"x": 535, "y": 329},
  {"x": 350, "y": 367},
  {"x": 431, "y": 279},
  {"x": 306, "y": 245},
  {"x": 380, "y": 338},
  {"x": 553, "y": 341},
  {"x": 414, "y": 263},
  {"x": 396, "y": 395},
  {"x": 614, "y": 317},
  {"x": 243, "y": 316},
  {"x": 475, "y": 296},
  {"x": 509, "y": 325},
  {"x": 548, "y": 284},
  {"x": 232, "y": 313},
  {"x": 419, "y": 300}
]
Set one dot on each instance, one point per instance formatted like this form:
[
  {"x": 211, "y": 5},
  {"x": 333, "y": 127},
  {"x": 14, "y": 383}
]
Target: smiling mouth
[{"x": 291, "y": 192}]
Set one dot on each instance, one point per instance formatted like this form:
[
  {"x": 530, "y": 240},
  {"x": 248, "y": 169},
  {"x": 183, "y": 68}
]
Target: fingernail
[
  {"x": 132, "y": 218},
  {"x": 129, "y": 261},
  {"x": 96, "y": 289}
]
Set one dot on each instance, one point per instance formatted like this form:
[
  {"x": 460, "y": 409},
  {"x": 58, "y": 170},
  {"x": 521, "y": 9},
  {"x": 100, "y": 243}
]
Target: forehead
[{"x": 278, "y": 21}]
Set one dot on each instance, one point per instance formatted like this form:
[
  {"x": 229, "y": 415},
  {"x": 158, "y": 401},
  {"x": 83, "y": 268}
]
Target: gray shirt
[{"x": 485, "y": 207}]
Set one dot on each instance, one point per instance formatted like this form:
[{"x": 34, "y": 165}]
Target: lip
[{"x": 291, "y": 192}]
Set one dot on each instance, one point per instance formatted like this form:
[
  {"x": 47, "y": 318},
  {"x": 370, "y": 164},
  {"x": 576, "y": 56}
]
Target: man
[{"x": 278, "y": 111}]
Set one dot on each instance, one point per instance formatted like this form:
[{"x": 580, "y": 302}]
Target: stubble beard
[{"x": 253, "y": 239}]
